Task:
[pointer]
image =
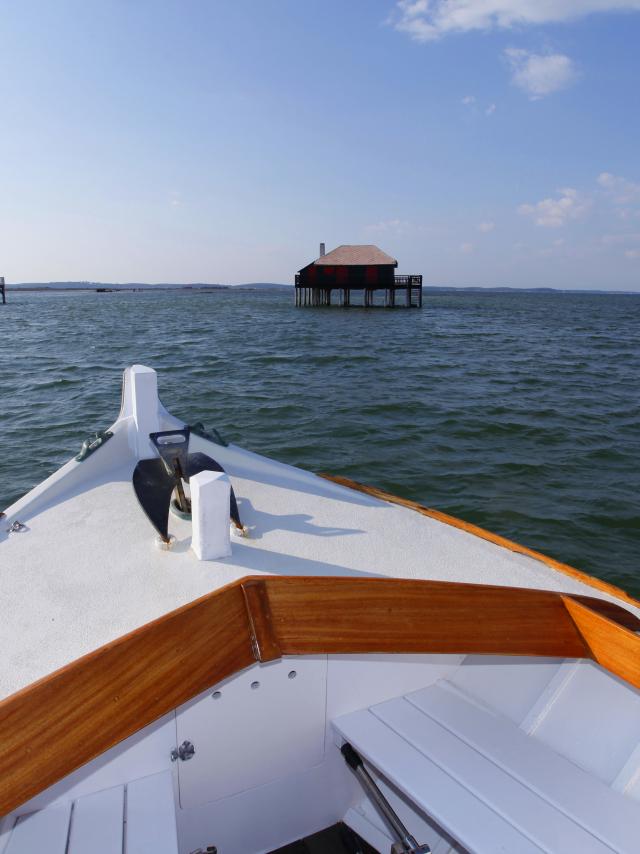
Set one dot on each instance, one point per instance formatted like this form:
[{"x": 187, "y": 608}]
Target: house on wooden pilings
[{"x": 350, "y": 268}]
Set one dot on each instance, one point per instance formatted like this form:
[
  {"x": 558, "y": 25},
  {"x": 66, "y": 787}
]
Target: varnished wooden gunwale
[
  {"x": 365, "y": 615},
  {"x": 614, "y": 646},
  {"x": 59, "y": 723},
  {"x": 484, "y": 534}
]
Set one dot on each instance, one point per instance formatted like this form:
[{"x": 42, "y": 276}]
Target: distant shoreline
[
  {"x": 132, "y": 287},
  {"x": 110, "y": 287}
]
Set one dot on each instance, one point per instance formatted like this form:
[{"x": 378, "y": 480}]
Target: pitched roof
[{"x": 356, "y": 256}]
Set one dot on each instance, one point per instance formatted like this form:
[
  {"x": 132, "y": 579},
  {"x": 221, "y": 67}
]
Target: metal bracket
[
  {"x": 92, "y": 443},
  {"x": 16, "y": 527},
  {"x": 185, "y": 752},
  {"x": 212, "y": 435}
]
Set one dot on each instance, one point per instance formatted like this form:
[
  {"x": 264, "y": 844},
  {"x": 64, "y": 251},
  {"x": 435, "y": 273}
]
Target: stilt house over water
[{"x": 363, "y": 268}]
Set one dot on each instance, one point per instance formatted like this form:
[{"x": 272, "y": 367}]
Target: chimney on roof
[{"x": 321, "y": 249}]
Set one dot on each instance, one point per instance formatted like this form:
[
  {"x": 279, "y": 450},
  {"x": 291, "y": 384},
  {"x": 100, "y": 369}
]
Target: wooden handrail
[
  {"x": 613, "y": 645},
  {"x": 59, "y": 723},
  {"x": 339, "y": 615}
]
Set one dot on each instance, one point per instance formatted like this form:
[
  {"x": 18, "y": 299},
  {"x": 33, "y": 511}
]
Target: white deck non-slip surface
[
  {"x": 87, "y": 571},
  {"x": 138, "y": 818},
  {"x": 488, "y": 783}
]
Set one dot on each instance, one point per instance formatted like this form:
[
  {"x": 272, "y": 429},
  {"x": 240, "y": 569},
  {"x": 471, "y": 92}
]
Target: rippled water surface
[{"x": 519, "y": 412}]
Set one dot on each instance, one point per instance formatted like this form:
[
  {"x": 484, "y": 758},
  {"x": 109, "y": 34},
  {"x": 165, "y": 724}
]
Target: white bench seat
[
  {"x": 488, "y": 784},
  {"x": 46, "y": 830},
  {"x": 138, "y": 818}
]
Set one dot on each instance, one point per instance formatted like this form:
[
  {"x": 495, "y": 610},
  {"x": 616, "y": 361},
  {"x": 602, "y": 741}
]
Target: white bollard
[
  {"x": 144, "y": 399},
  {"x": 210, "y": 493}
]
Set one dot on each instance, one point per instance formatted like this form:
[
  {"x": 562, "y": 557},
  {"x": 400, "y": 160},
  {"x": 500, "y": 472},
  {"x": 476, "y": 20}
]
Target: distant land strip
[{"x": 275, "y": 286}]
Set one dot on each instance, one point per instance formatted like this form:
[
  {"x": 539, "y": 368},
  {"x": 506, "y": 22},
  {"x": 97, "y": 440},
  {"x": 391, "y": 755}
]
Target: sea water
[{"x": 519, "y": 412}]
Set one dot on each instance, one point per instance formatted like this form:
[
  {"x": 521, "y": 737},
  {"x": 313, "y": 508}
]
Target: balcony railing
[{"x": 405, "y": 281}]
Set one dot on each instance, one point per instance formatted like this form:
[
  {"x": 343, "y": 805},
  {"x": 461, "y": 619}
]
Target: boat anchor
[{"x": 155, "y": 480}]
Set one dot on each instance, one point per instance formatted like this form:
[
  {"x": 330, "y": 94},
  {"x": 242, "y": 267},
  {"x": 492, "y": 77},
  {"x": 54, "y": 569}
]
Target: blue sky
[{"x": 481, "y": 142}]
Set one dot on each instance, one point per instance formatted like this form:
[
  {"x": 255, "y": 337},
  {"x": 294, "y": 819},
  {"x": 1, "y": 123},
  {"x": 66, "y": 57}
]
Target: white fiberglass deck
[{"x": 86, "y": 569}]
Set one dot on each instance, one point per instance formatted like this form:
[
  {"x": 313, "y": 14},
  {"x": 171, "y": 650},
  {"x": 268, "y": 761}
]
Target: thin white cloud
[
  {"x": 554, "y": 213},
  {"x": 486, "y": 227},
  {"x": 555, "y": 248},
  {"x": 428, "y": 20},
  {"x": 620, "y": 239},
  {"x": 467, "y": 248},
  {"x": 621, "y": 190},
  {"x": 390, "y": 226},
  {"x": 475, "y": 108},
  {"x": 632, "y": 253},
  {"x": 540, "y": 74}
]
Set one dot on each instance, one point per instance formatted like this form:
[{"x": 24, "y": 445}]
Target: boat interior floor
[{"x": 337, "y": 839}]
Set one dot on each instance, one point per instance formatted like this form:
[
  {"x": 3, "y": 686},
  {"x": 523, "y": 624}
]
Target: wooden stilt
[
  {"x": 317, "y": 290},
  {"x": 2, "y": 290},
  {"x": 321, "y": 294}
]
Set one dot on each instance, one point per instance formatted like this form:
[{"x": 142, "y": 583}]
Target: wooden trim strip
[
  {"x": 263, "y": 640},
  {"x": 477, "y": 531},
  {"x": 610, "y": 644},
  {"x": 59, "y": 723},
  {"x": 611, "y": 610},
  {"x": 363, "y": 615}
]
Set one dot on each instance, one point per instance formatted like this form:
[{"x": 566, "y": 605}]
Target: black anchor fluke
[{"x": 155, "y": 480}]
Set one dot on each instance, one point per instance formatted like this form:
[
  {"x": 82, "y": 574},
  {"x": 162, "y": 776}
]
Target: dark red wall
[{"x": 323, "y": 276}]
